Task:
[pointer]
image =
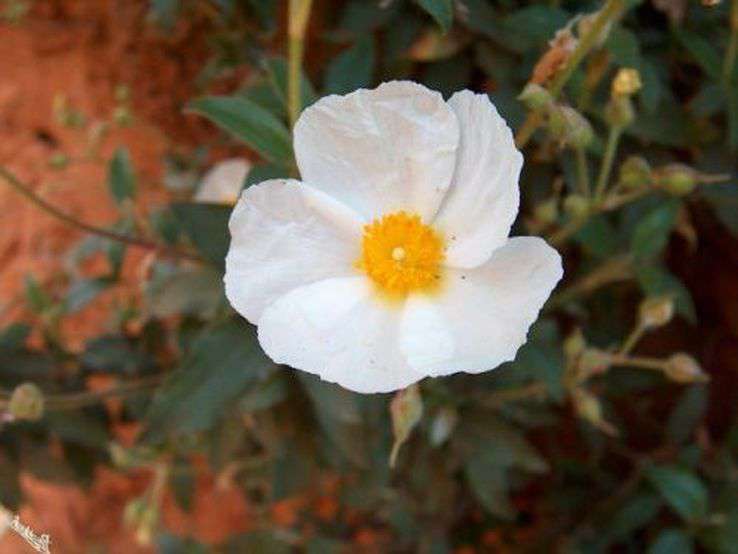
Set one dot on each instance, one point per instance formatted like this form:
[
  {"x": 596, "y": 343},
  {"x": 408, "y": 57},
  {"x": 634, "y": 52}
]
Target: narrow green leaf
[
  {"x": 248, "y": 122},
  {"x": 264, "y": 172},
  {"x": 682, "y": 490},
  {"x": 652, "y": 232},
  {"x": 442, "y": 11},
  {"x": 352, "y": 68},
  {"x": 687, "y": 414},
  {"x": 702, "y": 51},
  {"x": 121, "y": 177}
]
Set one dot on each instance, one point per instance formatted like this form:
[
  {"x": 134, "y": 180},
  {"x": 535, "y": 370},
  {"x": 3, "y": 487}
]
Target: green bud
[
  {"x": 535, "y": 97},
  {"x": 570, "y": 127},
  {"x": 593, "y": 362},
  {"x": 683, "y": 368},
  {"x": 574, "y": 345},
  {"x": 656, "y": 312},
  {"x": 619, "y": 112},
  {"x": 547, "y": 212},
  {"x": 635, "y": 173},
  {"x": 677, "y": 179},
  {"x": 577, "y": 206},
  {"x": 27, "y": 402}
]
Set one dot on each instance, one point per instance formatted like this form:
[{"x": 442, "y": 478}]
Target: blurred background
[{"x": 137, "y": 412}]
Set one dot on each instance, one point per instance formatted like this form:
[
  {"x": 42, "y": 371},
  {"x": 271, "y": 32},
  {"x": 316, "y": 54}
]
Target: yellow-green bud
[
  {"x": 677, "y": 179},
  {"x": 683, "y": 368},
  {"x": 535, "y": 97},
  {"x": 589, "y": 408},
  {"x": 577, "y": 206},
  {"x": 593, "y": 362},
  {"x": 656, "y": 312},
  {"x": 27, "y": 402},
  {"x": 570, "y": 127},
  {"x": 619, "y": 112},
  {"x": 635, "y": 173},
  {"x": 547, "y": 212},
  {"x": 574, "y": 345},
  {"x": 627, "y": 82}
]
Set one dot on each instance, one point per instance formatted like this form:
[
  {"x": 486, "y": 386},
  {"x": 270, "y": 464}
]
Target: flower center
[{"x": 401, "y": 254}]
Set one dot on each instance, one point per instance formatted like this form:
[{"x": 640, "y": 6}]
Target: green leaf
[
  {"x": 188, "y": 291},
  {"x": 223, "y": 362},
  {"x": 672, "y": 541},
  {"x": 533, "y": 26},
  {"x": 207, "y": 227},
  {"x": 84, "y": 291},
  {"x": 264, "y": 172},
  {"x": 624, "y": 47},
  {"x": 114, "y": 354},
  {"x": 442, "y": 11},
  {"x": 263, "y": 542},
  {"x": 652, "y": 232},
  {"x": 265, "y": 394},
  {"x": 682, "y": 490},
  {"x": 38, "y": 299},
  {"x": 724, "y": 201},
  {"x": 13, "y": 337},
  {"x": 248, "y": 122},
  {"x": 121, "y": 177},
  {"x": 637, "y": 512},
  {"x": 703, "y": 52},
  {"x": 352, "y": 68},
  {"x": 687, "y": 414},
  {"x": 490, "y": 485}
]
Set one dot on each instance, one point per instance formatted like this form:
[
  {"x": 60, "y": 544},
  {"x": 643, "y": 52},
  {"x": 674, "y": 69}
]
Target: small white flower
[
  {"x": 391, "y": 260},
  {"x": 223, "y": 182}
]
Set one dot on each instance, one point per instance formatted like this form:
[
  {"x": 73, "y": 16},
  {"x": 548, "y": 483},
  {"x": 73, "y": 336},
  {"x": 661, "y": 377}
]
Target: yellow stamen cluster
[{"x": 401, "y": 254}]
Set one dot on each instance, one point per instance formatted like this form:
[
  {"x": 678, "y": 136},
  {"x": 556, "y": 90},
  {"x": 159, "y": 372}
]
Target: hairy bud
[
  {"x": 577, "y": 206},
  {"x": 677, "y": 179},
  {"x": 535, "y": 97},
  {"x": 635, "y": 173},
  {"x": 570, "y": 127}
]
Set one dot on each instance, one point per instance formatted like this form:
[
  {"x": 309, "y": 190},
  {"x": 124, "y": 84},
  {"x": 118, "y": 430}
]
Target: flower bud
[
  {"x": 619, "y": 112},
  {"x": 27, "y": 403},
  {"x": 547, "y": 212},
  {"x": 574, "y": 345},
  {"x": 535, "y": 97},
  {"x": 627, "y": 82},
  {"x": 683, "y": 368},
  {"x": 589, "y": 408},
  {"x": 570, "y": 127},
  {"x": 677, "y": 179},
  {"x": 577, "y": 206},
  {"x": 656, "y": 312},
  {"x": 635, "y": 173},
  {"x": 593, "y": 362}
]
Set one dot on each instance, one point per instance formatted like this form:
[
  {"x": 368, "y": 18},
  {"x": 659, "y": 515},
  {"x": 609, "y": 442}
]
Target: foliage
[{"x": 578, "y": 442}]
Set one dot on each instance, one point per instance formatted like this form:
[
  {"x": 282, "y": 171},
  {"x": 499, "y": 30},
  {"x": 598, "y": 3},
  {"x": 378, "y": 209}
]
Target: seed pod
[{"x": 570, "y": 127}]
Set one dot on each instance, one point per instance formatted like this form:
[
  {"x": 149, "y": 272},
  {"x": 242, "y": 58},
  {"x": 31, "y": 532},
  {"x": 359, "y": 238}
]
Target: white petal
[
  {"x": 338, "y": 330},
  {"x": 482, "y": 317},
  {"x": 380, "y": 150},
  {"x": 483, "y": 201},
  {"x": 284, "y": 235},
  {"x": 223, "y": 182}
]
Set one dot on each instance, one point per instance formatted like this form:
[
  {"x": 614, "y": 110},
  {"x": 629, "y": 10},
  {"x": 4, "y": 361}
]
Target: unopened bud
[
  {"x": 574, "y": 345},
  {"x": 27, "y": 402},
  {"x": 683, "y": 368},
  {"x": 635, "y": 173},
  {"x": 589, "y": 408},
  {"x": 627, "y": 82},
  {"x": 677, "y": 179},
  {"x": 570, "y": 127},
  {"x": 577, "y": 206},
  {"x": 547, "y": 212},
  {"x": 619, "y": 112},
  {"x": 593, "y": 362},
  {"x": 535, "y": 97},
  {"x": 656, "y": 312}
]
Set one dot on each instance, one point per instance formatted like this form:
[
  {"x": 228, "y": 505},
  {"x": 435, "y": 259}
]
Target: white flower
[
  {"x": 391, "y": 260},
  {"x": 223, "y": 182}
]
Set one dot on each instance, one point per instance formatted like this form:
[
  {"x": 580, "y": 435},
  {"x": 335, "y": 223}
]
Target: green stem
[
  {"x": 582, "y": 172},
  {"x": 607, "y": 15},
  {"x": 655, "y": 364},
  {"x": 53, "y": 211},
  {"x": 613, "y": 139},
  {"x": 630, "y": 342},
  {"x": 730, "y": 54},
  {"x": 299, "y": 14}
]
